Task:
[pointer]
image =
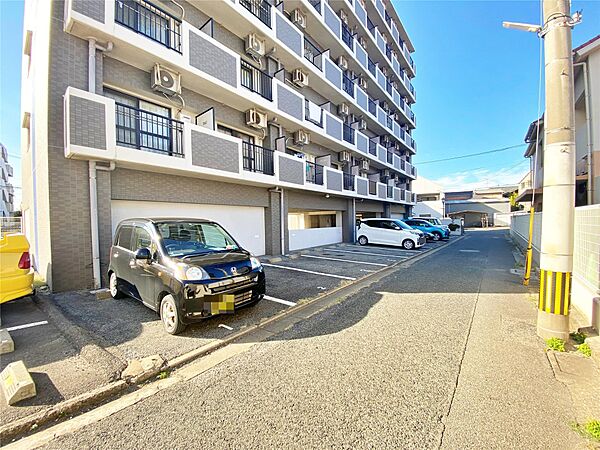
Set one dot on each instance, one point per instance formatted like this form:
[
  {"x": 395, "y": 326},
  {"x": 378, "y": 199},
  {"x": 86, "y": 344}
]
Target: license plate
[{"x": 223, "y": 304}]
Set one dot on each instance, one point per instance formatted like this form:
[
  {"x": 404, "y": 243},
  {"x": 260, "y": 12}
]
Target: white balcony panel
[
  {"x": 332, "y": 20},
  {"x": 333, "y": 73}
]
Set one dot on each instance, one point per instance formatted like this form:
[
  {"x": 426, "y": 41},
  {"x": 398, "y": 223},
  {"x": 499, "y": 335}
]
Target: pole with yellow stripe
[{"x": 529, "y": 254}]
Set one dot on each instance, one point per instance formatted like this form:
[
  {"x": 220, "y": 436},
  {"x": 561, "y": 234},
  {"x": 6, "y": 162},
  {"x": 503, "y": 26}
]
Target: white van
[{"x": 389, "y": 232}]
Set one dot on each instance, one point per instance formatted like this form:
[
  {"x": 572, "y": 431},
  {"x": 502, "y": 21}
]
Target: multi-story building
[
  {"x": 6, "y": 187},
  {"x": 586, "y": 59},
  {"x": 430, "y": 198},
  {"x": 282, "y": 122}
]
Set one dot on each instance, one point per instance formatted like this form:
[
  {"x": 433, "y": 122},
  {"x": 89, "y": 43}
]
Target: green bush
[
  {"x": 453, "y": 227},
  {"x": 578, "y": 338},
  {"x": 555, "y": 344},
  {"x": 592, "y": 428},
  {"x": 585, "y": 350}
]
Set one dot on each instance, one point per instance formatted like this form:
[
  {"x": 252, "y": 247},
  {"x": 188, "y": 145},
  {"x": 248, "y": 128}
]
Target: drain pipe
[
  {"x": 92, "y": 47},
  {"x": 279, "y": 190},
  {"x": 588, "y": 122}
]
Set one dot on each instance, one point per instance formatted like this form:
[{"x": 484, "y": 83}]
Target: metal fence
[
  {"x": 257, "y": 159},
  {"x": 256, "y": 80},
  {"x": 11, "y": 225},
  {"x": 314, "y": 173},
  {"x": 260, "y": 9}
]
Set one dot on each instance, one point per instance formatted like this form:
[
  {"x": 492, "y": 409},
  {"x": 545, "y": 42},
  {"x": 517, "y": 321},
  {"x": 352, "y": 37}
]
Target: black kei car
[{"x": 184, "y": 269}]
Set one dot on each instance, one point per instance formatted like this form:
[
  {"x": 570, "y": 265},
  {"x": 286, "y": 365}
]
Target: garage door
[{"x": 245, "y": 223}]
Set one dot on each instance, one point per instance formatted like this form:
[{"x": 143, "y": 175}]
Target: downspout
[
  {"x": 92, "y": 46},
  {"x": 588, "y": 121}
]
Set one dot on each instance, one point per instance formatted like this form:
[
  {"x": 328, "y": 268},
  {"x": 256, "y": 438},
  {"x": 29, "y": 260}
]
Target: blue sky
[{"x": 476, "y": 83}]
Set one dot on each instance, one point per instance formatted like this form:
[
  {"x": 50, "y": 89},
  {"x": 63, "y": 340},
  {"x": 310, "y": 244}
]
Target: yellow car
[{"x": 16, "y": 274}]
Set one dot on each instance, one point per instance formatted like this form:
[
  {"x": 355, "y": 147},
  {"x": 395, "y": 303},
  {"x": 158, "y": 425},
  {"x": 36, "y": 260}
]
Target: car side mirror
[{"x": 143, "y": 254}]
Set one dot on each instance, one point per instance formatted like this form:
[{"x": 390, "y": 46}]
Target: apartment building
[
  {"x": 586, "y": 60},
  {"x": 6, "y": 187},
  {"x": 283, "y": 122},
  {"x": 430, "y": 198}
]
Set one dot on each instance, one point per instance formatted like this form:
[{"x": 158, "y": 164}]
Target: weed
[
  {"x": 162, "y": 375},
  {"x": 585, "y": 350},
  {"x": 555, "y": 344},
  {"x": 589, "y": 429},
  {"x": 578, "y": 338}
]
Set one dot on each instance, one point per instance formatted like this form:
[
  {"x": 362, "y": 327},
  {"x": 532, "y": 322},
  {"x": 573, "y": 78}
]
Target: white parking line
[
  {"x": 310, "y": 271},
  {"x": 344, "y": 260},
  {"x": 279, "y": 300},
  {"x": 227, "y": 327},
  {"x": 370, "y": 254},
  {"x": 27, "y": 325}
]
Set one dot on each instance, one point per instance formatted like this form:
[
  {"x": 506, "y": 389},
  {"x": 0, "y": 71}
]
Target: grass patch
[
  {"x": 556, "y": 344},
  {"x": 164, "y": 374},
  {"x": 578, "y": 338},
  {"x": 585, "y": 350},
  {"x": 589, "y": 429}
]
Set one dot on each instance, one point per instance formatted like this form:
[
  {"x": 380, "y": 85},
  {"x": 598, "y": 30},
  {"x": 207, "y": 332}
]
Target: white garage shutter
[{"x": 245, "y": 223}]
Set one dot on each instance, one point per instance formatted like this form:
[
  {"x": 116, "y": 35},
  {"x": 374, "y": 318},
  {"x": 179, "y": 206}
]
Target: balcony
[
  {"x": 347, "y": 36},
  {"x": 151, "y": 21},
  {"x": 372, "y": 187},
  {"x": 348, "y": 181},
  {"x": 316, "y": 4},
  {"x": 312, "y": 53},
  {"x": 257, "y": 159},
  {"x": 348, "y": 133},
  {"x": 314, "y": 173},
  {"x": 146, "y": 131},
  {"x": 390, "y": 157},
  {"x": 348, "y": 85},
  {"x": 256, "y": 80},
  {"x": 390, "y": 191},
  {"x": 260, "y": 9},
  {"x": 313, "y": 113},
  {"x": 373, "y": 148}
]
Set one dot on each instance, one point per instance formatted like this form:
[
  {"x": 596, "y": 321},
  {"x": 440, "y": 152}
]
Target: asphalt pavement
[{"x": 440, "y": 354}]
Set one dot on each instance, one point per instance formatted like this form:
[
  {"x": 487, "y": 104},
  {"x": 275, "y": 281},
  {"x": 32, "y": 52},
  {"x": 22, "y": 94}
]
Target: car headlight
[
  {"x": 191, "y": 273},
  {"x": 255, "y": 263},
  {"x": 417, "y": 232}
]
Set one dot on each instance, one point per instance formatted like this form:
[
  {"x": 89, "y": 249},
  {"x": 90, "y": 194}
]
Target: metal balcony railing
[
  {"x": 388, "y": 51},
  {"x": 372, "y": 67},
  {"x": 348, "y": 181},
  {"x": 372, "y": 187},
  {"x": 372, "y": 106},
  {"x": 388, "y": 19},
  {"x": 348, "y": 133},
  {"x": 388, "y": 86},
  {"x": 256, "y": 80},
  {"x": 316, "y": 4},
  {"x": 260, "y": 9},
  {"x": 257, "y": 159},
  {"x": 148, "y": 131},
  {"x": 311, "y": 52},
  {"x": 348, "y": 85},
  {"x": 373, "y": 148},
  {"x": 347, "y": 37},
  {"x": 371, "y": 27},
  {"x": 390, "y": 191},
  {"x": 314, "y": 173},
  {"x": 389, "y": 122},
  {"x": 151, "y": 21},
  {"x": 390, "y": 157}
]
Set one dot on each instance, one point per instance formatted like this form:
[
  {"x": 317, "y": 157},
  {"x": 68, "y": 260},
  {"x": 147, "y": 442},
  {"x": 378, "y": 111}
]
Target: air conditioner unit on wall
[
  {"x": 255, "y": 46},
  {"x": 256, "y": 119},
  {"x": 363, "y": 42},
  {"x": 362, "y": 82},
  {"x": 344, "y": 156},
  {"x": 343, "y": 109},
  {"x": 344, "y": 16},
  {"x": 299, "y": 18},
  {"x": 299, "y": 78},
  {"x": 361, "y": 124},
  {"x": 166, "y": 80},
  {"x": 364, "y": 164},
  {"x": 343, "y": 62},
  {"x": 385, "y": 173},
  {"x": 301, "y": 137}
]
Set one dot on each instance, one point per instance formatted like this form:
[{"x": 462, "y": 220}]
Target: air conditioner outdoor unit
[
  {"x": 364, "y": 164},
  {"x": 344, "y": 16},
  {"x": 344, "y": 156},
  {"x": 256, "y": 119},
  {"x": 301, "y": 137},
  {"x": 299, "y": 18},
  {"x": 385, "y": 173},
  {"x": 343, "y": 62},
  {"x": 362, "y": 82},
  {"x": 363, "y": 42},
  {"x": 362, "y": 124},
  {"x": 299, "y": 78},
  {"x": 255, "y": 46},
  {"x": 166, "y": 80},
  {"x": 384, "y": 71},
  {"x": 343, "y": 109},
  {"x": 385, "y": 106}
]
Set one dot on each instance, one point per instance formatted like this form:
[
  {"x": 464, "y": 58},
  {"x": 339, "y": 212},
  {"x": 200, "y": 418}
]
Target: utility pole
[{"x": 558, "y": 203}]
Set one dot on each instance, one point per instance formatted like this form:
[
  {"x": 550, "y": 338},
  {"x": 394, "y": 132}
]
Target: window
[
  {"x": 238, "y": 134},
  {"x": 142, "y": 239},
  {"x": 124, "y": 237},
  {"x": 389, "y": 225}
]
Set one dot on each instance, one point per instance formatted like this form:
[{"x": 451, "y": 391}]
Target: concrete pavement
[{"x": 439, "y": 354}]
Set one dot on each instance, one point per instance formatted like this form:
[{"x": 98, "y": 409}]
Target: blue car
[{"x": 437, "y": 233}]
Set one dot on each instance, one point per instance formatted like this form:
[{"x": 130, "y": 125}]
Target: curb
[{"x": 13, "y": 430}]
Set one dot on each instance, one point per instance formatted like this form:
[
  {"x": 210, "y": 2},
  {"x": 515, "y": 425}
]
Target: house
[
  {"x": 477, "y": 207},
  {"x": 586, "y": 61},
  {"x": 6, "y": 187},
  {"x": 282, "y": 122},
  {"x": 430, "y": 198}
]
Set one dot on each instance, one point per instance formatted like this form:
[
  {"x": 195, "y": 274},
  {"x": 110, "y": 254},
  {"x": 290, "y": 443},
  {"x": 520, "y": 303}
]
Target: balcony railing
[
  {"x": 347, "y": 37},
  {"x": 348, "y": 85},
  {"x": 372, "y": 187},
  {"x": 311, "y": 52},
  {"x": 388, "y": 51},
  {"x": 257, "y": 159},
  {"x": 348, "y": 133},
  {"x": 388, "y": 86},
  {"x": 256, "y": 80},
  {"x": 316, "y": 4},
  {"x": 372, "y": 106},
  {"x": 373, "y": 148},
  {"x": 348, "y": 181},
  {"x": 314, "y": 173},
  {"x": 148, "y": 131},
  {"x": 372, "y": 67},
  {"x": 388, "y": 19},
  {"x": 151, "y": 21},
  {"x": 390, "y": 157},
  {"x": 260, "y": 9},
  {"x": 371, "y": 27},
  {"x": 390, "y": 191}
]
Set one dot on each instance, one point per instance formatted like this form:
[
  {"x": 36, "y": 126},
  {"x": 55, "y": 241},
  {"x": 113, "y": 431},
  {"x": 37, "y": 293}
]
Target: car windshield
[
  {"x": 435, "y": 221},
  {"x": 194, "y": 238},
  {"x": 402, "y": 225}
]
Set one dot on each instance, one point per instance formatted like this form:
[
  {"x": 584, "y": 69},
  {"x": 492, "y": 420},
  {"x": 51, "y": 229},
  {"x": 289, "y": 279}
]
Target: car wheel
[
  {"x": 436, "y": 236},
  {"x": 408, "y": 244},
  {"x": 363, "y": 240},
  {"x": 113, "y": 286},
  {"x": 170, "y": 316}
]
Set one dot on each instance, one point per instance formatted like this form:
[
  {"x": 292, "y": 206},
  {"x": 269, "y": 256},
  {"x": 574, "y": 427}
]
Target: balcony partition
[{"x": 257, "y": 159}]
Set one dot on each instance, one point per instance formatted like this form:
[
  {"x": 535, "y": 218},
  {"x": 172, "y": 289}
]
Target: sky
[{"x": 477, "y": 84}]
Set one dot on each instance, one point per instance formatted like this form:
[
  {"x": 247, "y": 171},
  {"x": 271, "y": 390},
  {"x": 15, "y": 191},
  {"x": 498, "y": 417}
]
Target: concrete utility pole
[
  {"x": 556, "y": 258},
  {"x": 558, "y": 203}
]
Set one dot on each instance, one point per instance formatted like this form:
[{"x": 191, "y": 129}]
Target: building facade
[
  {"x": 283, "y": 123},
  {"x": 6, "y": 172},
  {"x": 478, "y": 207},
  {"x": 586, "y": 59},
  {"x": 430, "y": 198}
]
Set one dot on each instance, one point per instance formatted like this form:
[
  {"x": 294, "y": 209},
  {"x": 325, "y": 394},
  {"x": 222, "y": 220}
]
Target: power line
[{"x": 473, "y": 154}]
